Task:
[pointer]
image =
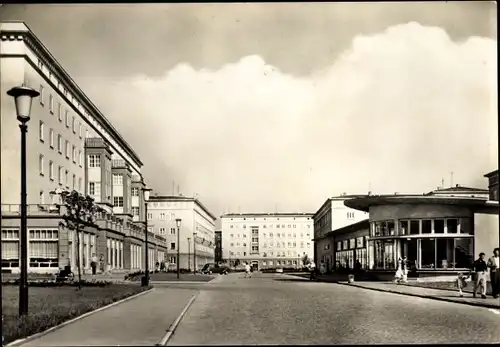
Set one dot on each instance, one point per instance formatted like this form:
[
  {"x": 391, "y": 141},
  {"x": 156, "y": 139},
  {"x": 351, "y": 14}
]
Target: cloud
[{"x": 397, "y": 111}]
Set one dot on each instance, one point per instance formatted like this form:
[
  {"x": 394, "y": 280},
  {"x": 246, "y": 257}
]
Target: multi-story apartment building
[
  {"x": 267, "y": 240},
  {"x": 218, "y": 246},
  {"x": 197, "y": 231},
  {"x": 70, "y": 146},
  {"x": 333, "y": 215}
]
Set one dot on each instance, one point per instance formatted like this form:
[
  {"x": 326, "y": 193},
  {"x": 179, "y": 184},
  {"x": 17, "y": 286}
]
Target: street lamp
[
  {"x": 194, "y": 252},
  {"x": 189, "y": 254},
  {"x": 146, "y": 192},
  {"x": 178, "y": 222},
  {"x": 23, "y": 98}
]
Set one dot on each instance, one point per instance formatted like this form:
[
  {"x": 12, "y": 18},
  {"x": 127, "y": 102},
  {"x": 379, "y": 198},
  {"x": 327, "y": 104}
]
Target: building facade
[
  {"x": 218, "y": 246},
  {"x": 331, "y": 216},
  {"x": 70, "y": 146},
  {"x": 197, "y": 231},
  {"x": 492, "y": 185},
  {"x": 267, "y": 240}
]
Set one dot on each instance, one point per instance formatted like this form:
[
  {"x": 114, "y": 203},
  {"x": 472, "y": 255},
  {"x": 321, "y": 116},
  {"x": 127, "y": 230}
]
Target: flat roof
[
  {"x": 337, "y": 198},
  {"x": 263, "y": 214},
  {"x": 364, "y": 204},
  {"x": 160, "y": 198}
]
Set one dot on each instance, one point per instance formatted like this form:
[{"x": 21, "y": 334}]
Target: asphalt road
[{"x": 281, "y": 309}]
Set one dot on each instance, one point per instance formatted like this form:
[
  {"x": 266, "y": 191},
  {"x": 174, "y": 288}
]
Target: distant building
[
  {"x": 218, "y": 246},
  {"x": 332, "y": 215},
  {"x": 493, "y": 185},
  {"x": 197, "y": 223},
  {"x": 461, "y": 191},
  {"x": 267, "y": 240}
]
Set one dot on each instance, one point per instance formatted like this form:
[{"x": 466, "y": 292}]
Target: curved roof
[{"x": 364, "y": 204}]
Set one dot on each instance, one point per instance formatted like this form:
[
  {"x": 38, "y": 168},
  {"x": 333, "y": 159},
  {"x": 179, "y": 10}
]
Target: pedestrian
[
  {"x": 101, "y": 263},
  {"x": 480, "y": 270},
  {"x": 162, "y": 266},
  {"x": 405, "y": 269},
  {"x": 312, "y": 269},
  {"x": 322, "y": 268},
  {"x": 247, "y": 271},
  {"x": 494, "y": 265},
  {"x": 93, "y": 264},
  {"x": 157, "y": 267},
  {"x": 461, "y": 283},
  {"x": 399, "y": 272}
]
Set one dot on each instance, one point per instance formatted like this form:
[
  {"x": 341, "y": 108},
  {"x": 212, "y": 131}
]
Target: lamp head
[
  {"x": 178, "y": 222},
  {"x": 147, "y": 192},
  {"x": 23, "y": 97}
]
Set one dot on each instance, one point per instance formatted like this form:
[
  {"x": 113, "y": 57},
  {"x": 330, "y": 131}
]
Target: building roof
[
  {"x": 459, "y": 190},
  {"x": 492, "y": 173},
  {"x": 21, "y": 29},
  {"x": 364, "y": 224},
  {"x": 263, "y": 214},
  {"x": 478, "y": 204},
  {"x": 338, "y": 198},
  {"x": 158, "y": 198}
]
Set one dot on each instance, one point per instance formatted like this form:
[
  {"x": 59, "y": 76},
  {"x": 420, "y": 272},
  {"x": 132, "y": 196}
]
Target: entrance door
[{"x": 255, "y": 265}]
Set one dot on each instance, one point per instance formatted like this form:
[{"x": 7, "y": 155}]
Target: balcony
[
  {"x": 119, "y": 164},
  {"x": 32, "y": 209},
  {"x": 96, "y": 142}
]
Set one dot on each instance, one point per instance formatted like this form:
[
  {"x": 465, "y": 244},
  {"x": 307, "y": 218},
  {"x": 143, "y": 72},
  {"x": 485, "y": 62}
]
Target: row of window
[
  {"x": 294, "y": 218},
  {"x": 63, "y": 175},
  {"x": 294, "y": 235},
  {"x": 293, "y": 254},
  {"x": 76, "y": 155},
  {"x": 162, "y": 216},
  {"x": 359, "y": 242},
  {"x": 422, "y": 226},
  {"x": 278, "y": 245},
  {"x": 283, "y": 226}
]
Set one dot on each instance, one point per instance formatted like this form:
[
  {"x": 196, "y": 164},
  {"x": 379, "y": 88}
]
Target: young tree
[
  {"x": 80, "y": 212},
  {"x": 305, "y": 260}
]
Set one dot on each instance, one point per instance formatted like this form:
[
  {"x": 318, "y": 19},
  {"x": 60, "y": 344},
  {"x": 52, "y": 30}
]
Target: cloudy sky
[{"x": 264, "y": 106}]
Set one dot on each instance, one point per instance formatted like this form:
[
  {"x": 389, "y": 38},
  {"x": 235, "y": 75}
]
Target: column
[{"x": 419, "y": 254}]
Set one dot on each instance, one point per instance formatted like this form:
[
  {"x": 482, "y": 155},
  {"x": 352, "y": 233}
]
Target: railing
[
  {"x": 32, "y": 209},
  {"x": 118, "y": 163},
  {"x": 95, "y": 142}
]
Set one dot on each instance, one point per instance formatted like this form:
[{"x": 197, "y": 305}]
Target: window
[
  {"x": 403, "y": 227},
  {"x": 118, "y": 201},
  {"x": 135, "y": 191},
  {"x": 51, "y": 138},
  {"x": 41, "y": 131},
  {"x": 42, "y": 96},
  {"x": 42, "y": 197},
  {"x": 135, "y": 211},
  {"x": 40, "y": 164},
  {"x": 43, "y": 248},
  {"x": 150, "y": 216},
  {"x": 173, "y": 259},
  {"x": 172, "y": 231},
  {"x": 94, "y": 188},
  {"x": 172, "y": 245},
  {"x": 162, "y": 216},
  {"x": 117, "y": 179},
  {"x": 66, "y": 114},
  {"x": 74, "y": 154},
  {"x": 67, "y": 149},
  {"x": 80, "y": 130},
  {"x": 451, "y": 226},
  {"x": 74, "y": 182},
  {"x": 60, "y": 112},
  {"x": 51, "y": 170},
  {"x": 439, "y": 226},
  {"x": 87, "y": 134},
  {"x": 59, "y": 143},
  {"x": 162, "y": 231},
  {"x": 51, "y": 104},
  {"x": 80, "y": 158},
  {"x": 414, "y": 227},
  {"x": 66, "y": 178},
  {"x": 94, "y": 160},
  {"x": 60, "y": 175},
  {"x": 428, "y": 252},
  {"x": 426, "y": 226},
  {"x": 73, "y": 124}
]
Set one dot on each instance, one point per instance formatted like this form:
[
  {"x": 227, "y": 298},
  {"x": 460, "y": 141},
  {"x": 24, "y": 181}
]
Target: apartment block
[
  {"x": 267, "y": 240},
  {"x": 196, "y": 242},
  {"x": 71, "y": 146}
]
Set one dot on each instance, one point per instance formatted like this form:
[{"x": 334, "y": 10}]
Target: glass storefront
[{"x": 352, "y": 251}]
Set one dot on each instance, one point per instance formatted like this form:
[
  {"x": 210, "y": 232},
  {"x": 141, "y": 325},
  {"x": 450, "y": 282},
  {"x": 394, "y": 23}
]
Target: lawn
[
  {"x": 51, "y": 306},
  {"x": 172, "y": 277}
]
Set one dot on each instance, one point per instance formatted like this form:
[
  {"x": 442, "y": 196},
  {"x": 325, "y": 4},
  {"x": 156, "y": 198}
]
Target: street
[{"x": 282, "y": 309}]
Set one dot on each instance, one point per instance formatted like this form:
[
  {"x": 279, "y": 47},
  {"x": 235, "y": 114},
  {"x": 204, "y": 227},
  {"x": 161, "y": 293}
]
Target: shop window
[
  {"x": 403, "y": 227},
  {"x": 390, "y": 228},
  {"x": 451, "y": 226},
  {"x": 426, "y": 226},
  {"x": 428, "y": 251},
  {"x": 464, "y": 252},
  {"x": 466, "y": 226},
  {"x": 409, "y": 249},
  {"x": 438, "y": 226},
  {"x": 444, "y": 253},
  {"x": 384, "y": 254},
  {"x": 414, "y": 227}
]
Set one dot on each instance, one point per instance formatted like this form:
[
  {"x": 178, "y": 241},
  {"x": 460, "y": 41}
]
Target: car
[
  {"x": 279, "y": 270},
  {"x": 211, "y": 268}
]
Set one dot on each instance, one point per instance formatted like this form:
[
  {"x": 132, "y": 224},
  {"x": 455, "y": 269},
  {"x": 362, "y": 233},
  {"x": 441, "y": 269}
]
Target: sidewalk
[
  {"x": 141, "y": 321},
  {"x": 428, "y": 293}
]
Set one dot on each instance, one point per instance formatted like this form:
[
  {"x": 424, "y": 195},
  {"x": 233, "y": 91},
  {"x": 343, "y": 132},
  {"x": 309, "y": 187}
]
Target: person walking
[
  {"x": 248, "y": 273},
  {"x": 461, "y": 282},
  {"x": 405, "y": 269},
  {"x": 480, "y": 270},
  {"x": 494, "y": 265},
  {"x": 312, "y": 269},
  {"x": 399, "y": 272},
  {"x": 94, "y": 261}
]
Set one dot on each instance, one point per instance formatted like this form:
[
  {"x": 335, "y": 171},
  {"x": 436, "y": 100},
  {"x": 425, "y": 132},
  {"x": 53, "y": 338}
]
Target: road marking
[
  {"x": 171, "y": 329},
  {"x": 494, "y": 311}
]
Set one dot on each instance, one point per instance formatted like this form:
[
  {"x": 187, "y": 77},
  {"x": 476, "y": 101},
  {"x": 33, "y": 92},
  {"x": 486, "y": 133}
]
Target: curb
[
  {"x": 63, "y": 324},
  {"x": 171, "y": 329},
  {"x": 179, "y": 282},
  {"x": 485, "y": 305}
]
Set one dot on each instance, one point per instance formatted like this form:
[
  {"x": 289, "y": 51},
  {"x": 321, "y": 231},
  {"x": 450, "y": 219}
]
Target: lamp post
[
  {"x": 189, "y": 254},
  {"x": 194, "y": 252},
  {"x": 23, "y": 98},
  {"x": 178, "y": 222},
  {"x": 146, "y": 192}
]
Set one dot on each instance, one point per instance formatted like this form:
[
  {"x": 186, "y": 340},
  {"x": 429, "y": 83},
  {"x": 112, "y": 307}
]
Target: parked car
[
  {"x": 279, "y": 270},
  {"x": 211, "y": 268}
]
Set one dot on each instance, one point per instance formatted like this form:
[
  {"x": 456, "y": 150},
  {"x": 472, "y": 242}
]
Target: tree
[
  {"x": 80, "y": 212},
  {"x": 305, "y": 260}
]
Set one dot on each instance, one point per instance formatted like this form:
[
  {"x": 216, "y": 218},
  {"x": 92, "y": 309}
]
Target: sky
[{"x": 276, "y": 107}]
